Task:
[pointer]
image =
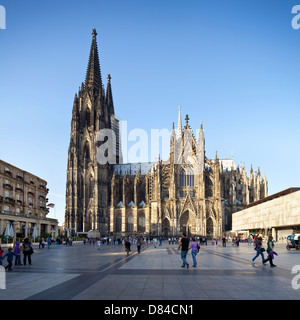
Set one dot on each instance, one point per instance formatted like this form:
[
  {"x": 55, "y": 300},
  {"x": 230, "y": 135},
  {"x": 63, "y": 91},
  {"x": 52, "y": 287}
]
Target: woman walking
[
  {"x": 259, "y": 250},
  {"x": 27, "y": 251},
  {"x": 138, "y": 245},
  {"x": 271, "y": 252},
  {"x": 195, "y": 249},
  {"x": 127, "y": 246}
]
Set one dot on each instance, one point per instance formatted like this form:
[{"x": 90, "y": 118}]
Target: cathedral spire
[
  {"x": 109, "y": 97},
  {"x": 93, "y": 74},
  {"x": 179, "y": 128}
]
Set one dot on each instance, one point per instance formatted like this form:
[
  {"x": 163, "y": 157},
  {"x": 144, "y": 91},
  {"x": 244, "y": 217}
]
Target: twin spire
[{"x": 93, "y": 79}]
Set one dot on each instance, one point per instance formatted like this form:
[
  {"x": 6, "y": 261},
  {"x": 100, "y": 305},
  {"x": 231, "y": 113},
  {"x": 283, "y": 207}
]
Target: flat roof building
[{"x": 277, "y": 215}]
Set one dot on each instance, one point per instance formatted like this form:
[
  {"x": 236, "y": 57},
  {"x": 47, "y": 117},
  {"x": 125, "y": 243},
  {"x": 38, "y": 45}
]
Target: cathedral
[{"x": 187, "y": 193}]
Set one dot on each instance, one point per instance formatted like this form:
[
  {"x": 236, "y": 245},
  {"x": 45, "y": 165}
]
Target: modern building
[
  {"x": 23, "y": 203},
  {"x": 187, "y": 193},
  {"x": 277, "y": 215}
]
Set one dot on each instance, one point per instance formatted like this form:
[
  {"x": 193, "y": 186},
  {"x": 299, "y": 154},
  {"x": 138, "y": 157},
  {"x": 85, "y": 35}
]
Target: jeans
[
  {"x": 29, "y": 258},
  {"x": 9, "y": 266},
  {"x": 183, "y": 257},
  {"x": 194, "y": 253},
  {"x": 258, "y": 252},
  {"x": 18, "y": 260}
]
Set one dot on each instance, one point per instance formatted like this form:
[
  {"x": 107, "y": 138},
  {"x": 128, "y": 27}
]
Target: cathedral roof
[{"x": 133, "y": 168}]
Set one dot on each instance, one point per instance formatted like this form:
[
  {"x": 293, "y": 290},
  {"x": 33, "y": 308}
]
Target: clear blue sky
[{"x": 233, "y": 64}]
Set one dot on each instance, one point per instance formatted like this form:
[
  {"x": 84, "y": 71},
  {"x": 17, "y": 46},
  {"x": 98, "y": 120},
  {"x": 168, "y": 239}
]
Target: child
[
  {"x": 17, "y": 252},
  {"x": 1, "y": 254},
  {"x": 99, "y": 243},
  {"x": 10, "y": 255}
]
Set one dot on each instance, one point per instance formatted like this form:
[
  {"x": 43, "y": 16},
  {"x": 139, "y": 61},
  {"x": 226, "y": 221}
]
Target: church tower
[{"x": 87, "y": 187}]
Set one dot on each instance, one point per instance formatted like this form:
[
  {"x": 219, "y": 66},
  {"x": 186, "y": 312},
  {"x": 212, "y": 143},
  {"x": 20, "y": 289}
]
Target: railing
[{"x": 7, "y": 186}]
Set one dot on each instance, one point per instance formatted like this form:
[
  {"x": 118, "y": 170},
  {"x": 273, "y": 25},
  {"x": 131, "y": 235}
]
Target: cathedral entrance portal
[
  {"x": 209, "y": 228},
  {"x": 165, "y": 227},
  {"x": 187, "y": 223}
]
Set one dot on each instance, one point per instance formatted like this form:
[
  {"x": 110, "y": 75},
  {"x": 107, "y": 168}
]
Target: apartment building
[{"x": 23, "y": 203}]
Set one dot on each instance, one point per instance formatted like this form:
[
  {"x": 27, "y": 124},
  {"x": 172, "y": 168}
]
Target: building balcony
[
  {"x": 9, "y": 200},
  {"x": 41, "y": 197},
  {"x": 20, "y": 178},
  {"x": 19, "y": 189},
  {"x": 31, "y": 192},
  {"x": 7, "y": 186},
  {"x": 8, "y": 173},
  {"x": 1, "y": 199},
  {"x": 19, "y": 202}
]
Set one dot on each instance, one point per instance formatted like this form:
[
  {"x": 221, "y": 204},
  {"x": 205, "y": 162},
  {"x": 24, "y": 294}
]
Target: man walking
[{"x": 184, "y": 244}]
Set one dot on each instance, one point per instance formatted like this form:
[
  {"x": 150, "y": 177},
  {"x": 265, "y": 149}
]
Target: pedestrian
[
  {"x": 271, "y": 252},
  {"x": 99, "y": 244},
  {"x": 154, "y": 242},
  {"x": 1, "y": 255},
  {"x": 17, "y": 253},
  {"x": 259, "y": 250},
  {"x": 224, "y": 241},
  {"x": 184, "y": 244},
  {"x": 40, "y": 243},
  {"x": 49, "y": 242},
  {"x": 195, "y": 249},
  {"x": 139, "y": 245},
  {"x": 127, "y": 246},
  {"x": 27, "y": 251},
  {"x": 10, "y": 256}
]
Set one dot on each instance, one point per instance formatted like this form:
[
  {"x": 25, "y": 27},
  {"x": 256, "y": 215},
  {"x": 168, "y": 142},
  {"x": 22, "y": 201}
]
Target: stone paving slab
[{"x": 85, "y": 273}]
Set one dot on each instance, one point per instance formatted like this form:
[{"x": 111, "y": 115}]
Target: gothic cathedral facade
[{"x": 187, "y": 193}]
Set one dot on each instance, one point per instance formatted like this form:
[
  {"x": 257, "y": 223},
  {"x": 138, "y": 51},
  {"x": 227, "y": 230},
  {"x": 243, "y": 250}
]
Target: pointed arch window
[
  {"x": 186, "y": 177},
  {"x": 130, "y": 222}
]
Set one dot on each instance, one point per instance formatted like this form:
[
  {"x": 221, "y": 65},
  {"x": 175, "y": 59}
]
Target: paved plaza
[{"x": 81, "y": 272}]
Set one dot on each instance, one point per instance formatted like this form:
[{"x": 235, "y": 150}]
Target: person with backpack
[
  {"x": 27, "y": 251},
  {"x": 259, "y": 250}
]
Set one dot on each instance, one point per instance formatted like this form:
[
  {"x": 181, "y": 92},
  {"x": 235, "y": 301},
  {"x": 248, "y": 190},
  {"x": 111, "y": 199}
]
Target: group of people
[
  {"x": 185, "y": 245},
  {"x": 139, "y": 243},
  {"x": 17, "y": 251},
  {"x": 258, "y": 247}
]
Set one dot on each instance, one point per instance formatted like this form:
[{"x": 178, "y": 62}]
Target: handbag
[{"x": 262, "y": 249}]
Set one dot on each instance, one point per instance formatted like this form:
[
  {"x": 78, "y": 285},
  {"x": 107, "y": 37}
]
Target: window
[
  {"x": 130, "y": 222},
  {"x": 119, "y": 223},
  {"x": 6, "y": 209},
  {"x": 186, "y": 177},
  {"x": 7, "y": 194},
  {"x": 141, "y": 222}
]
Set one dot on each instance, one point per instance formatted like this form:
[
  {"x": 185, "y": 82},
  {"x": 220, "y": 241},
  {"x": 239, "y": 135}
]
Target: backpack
[{"x": 28, "y": 248}]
